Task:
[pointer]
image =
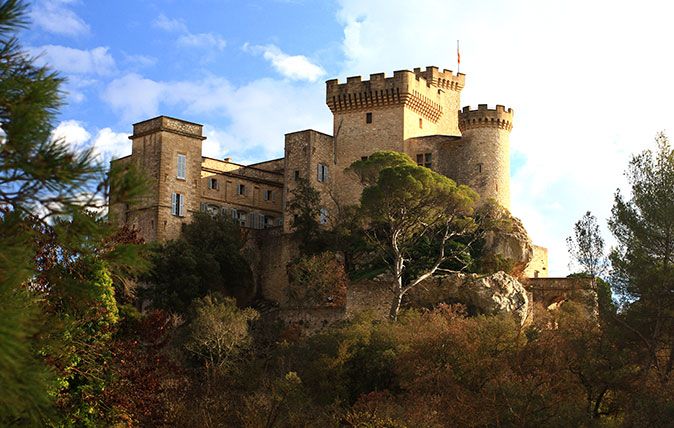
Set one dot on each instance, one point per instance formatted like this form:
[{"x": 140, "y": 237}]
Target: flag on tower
[{"x": 458, "y": 53}]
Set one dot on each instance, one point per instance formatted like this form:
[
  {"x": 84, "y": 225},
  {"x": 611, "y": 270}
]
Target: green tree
[
  {"x": 52, "y": 260},
  {"x": 206, "y": 258},
  {"x": 643, "y": 261},
  {"x": 219, "y": 331},
  {"x": 409, "y": 204},
  {"x": 586, "y": 247}
]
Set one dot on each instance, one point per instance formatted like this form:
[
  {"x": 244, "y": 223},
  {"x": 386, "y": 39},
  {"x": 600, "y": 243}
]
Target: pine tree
[{"x": 643, "y": 262}]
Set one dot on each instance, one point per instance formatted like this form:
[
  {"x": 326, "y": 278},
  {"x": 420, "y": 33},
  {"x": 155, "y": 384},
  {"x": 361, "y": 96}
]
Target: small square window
[
  {"x": 268, "y": 195},
  {"x": 425, "y": 159},
  {"x": 297, "y": 174},
  {"x": 364, "y": 158},
  {"x": 213, "y": 183},
  {"x": 241, "y": 189},
  {"x": 368, "y": 117}
]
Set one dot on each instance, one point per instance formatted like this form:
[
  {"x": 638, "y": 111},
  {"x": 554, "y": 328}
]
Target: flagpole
[{"x": 458, "y": 58}]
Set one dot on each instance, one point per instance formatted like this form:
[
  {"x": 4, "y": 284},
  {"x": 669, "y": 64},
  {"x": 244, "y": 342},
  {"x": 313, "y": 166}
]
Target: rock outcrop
[
  {"x": 513, "y": 245},
  {"x": 493, "y": 294}
]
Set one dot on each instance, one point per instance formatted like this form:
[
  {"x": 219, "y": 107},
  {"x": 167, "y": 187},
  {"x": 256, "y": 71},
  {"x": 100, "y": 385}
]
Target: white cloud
[
  {"x": 256, "y": 125},
  {"x": 55, "y": 17},
  {"x": 295, "y": 67},
  {"x": 133, "y": 96},
  {"x": 111, "y": 145},
  {"x": 76, "y": 61},
  {"x": 202, "y": 40},
  {"x": 167, "y": 24},
  {"x": 73, "y": 133},
  {"x": 140, "y": 61},
  {"x": 106, "y": 145},
  {"x": 187, "y": 38}
]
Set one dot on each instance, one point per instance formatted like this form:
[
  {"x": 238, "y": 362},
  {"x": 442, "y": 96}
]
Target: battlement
[
  {"x": 418, "y": 90},
  {"x": 445, "y": 79},
  {"x": 168, "y": 124},
  {"x": 485, "y": 117}
]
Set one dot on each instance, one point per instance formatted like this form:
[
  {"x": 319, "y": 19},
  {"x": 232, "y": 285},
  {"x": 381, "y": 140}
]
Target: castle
[{"x": 415, "y": 112}]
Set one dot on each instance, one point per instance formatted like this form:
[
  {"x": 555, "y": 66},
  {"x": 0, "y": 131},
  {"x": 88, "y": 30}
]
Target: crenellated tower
[
  {"x": 482, "y": 159},
  {"x": 382, "y": 112}
]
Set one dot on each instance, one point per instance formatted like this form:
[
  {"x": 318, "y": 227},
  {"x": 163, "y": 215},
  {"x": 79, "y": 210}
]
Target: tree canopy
[
  {"x": 643, "y": 262},
  {"x": 406, "y": 204}
]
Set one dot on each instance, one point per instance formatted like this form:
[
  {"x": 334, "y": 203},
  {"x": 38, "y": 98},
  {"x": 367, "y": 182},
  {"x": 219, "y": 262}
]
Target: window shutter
[
  {"x": 325, "y": 173},
  {"x": 181, "y": 199},
  {"x": 202, "y": 207},
  {"x": 251, "y": 220},
  {"x": 263, "y": 221},
  {"x": 223, "y": 211},
  {"x": 174, "y": 205},
  {"x": 181, "y": 166},
  {"x": 318, "y": 172},
  {"x": 235, "y": 214}
]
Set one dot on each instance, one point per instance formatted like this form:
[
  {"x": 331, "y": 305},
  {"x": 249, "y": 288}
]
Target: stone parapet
[
  {"x": 484, "y": 117},
  {"x": 168, "y": 124},
  {"x": 416, "y": 90}
]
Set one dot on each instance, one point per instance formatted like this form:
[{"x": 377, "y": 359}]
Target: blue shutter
[{"x": 174, "y": 204}]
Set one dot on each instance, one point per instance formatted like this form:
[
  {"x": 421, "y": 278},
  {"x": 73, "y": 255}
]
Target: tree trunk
[{"x": 395, "y": 305}]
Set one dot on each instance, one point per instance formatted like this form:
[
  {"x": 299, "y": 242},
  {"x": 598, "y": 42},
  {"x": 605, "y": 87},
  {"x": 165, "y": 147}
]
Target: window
[
  {"x": 364, "y": 158},
  {"x": 297, "y": 174},
  {"x": 182, "y": 166},
  {"x": 425, "y": 159},
  {"x": 213, "y": 183},
  {"x": 368, "y": 117},
  {"x": 322, "y": 172},
  {"x": 268, "y": 195},
  {"x": 421, "y": 123},
  {"x": 178, "y": 204},
  {"x": 323, "y": 219},
  {"x": 239, "y": 216},
  {"x": 241, "y": 189},
  {"x": 479, "y": 167}
]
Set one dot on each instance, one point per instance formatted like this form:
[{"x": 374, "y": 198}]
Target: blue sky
[{"x": 590, "y": 81}]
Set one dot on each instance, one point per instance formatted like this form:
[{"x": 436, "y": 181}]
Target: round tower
[{"x": 485, "y": 151}]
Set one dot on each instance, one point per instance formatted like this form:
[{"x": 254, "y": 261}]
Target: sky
[{"x": 590, "y": 81}]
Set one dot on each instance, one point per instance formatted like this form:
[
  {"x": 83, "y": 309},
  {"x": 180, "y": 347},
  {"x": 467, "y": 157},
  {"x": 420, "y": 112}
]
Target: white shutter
[
  {"x": 263, "y": 221},
  {"x": 318, "y": 172},
  {"x": 181, "y": 166},
  {"x": 325, "y": 173},
  {"x": 235, "y": 214},
  {"x": 251, "y": 220},
  {"x": 181, "y": 199},
  {"x": 174, "y": 205}
]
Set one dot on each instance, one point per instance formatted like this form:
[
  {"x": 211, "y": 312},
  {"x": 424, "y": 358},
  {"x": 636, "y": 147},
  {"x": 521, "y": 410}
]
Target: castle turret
[
  {"x": 382, "y": 112},
  {"x": 483, "y": 158}
]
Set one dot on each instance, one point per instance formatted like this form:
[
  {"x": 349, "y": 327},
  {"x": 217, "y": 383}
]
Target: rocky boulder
[
  {"x": 493, "y": 294},
  {"x": 505, "y": 243}
]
